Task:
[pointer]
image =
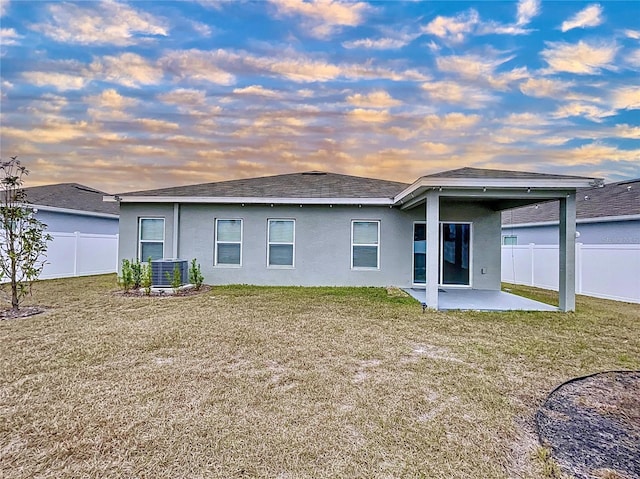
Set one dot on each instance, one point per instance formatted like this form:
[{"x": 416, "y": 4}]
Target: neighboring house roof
[
  {"x": 311, "y": 184},
  {"x": 612, "y": 201},
  {"x": 70, "y": 197}
]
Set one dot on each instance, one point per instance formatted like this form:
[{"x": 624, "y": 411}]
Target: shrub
[
  {"x": 125, "y": 281},
  {"x": 195, "y": 275},
  {"x": 146, "y": 277},
  {"x": 175, "y": 279}
]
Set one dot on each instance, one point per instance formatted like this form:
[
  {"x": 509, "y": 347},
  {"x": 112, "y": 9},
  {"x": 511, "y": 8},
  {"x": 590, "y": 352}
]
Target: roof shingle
[
  {"x": 71, "y": 196},
  {"x": 614, "y": 199},
  {"x": 312, "y": 184}
]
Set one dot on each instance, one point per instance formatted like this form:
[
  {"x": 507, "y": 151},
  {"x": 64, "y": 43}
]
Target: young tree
[{"x": 23, "y": 242}]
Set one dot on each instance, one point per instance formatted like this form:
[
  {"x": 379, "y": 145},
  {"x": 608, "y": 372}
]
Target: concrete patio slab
[{"x": 481, "y": 300}]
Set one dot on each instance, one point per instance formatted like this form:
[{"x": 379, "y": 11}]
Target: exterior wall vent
[{"x": 162, "y": 272}]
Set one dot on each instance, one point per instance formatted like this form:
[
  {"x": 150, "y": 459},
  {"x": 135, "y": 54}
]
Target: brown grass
[{"x": 287, "y": 383}]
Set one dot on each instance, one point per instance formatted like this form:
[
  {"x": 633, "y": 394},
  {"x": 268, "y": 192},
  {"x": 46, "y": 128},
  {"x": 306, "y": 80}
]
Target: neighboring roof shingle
[
  {"x": 480, "y": 173},
  {"x": 613, "y": 199},
  {"x": 312, "y": 184},
  {"x": 71, "y": 196}
]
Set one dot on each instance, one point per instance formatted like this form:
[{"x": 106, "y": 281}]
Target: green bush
[
  {"x": 145, "y": 277},
  {"x": 195, "y": 275},
  {"x": 125, "y": 281}
]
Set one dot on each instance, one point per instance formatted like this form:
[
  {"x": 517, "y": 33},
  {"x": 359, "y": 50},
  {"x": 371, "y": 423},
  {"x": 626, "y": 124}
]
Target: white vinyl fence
[
  {"x": 80, "y": 254},
  {"x": 607, "y": 271}
]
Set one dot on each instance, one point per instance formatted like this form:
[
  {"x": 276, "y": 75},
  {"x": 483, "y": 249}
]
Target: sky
[{"x": 136, "y": 95}]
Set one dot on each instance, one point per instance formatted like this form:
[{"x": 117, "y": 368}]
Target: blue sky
[{"x": 134, "y": 95}]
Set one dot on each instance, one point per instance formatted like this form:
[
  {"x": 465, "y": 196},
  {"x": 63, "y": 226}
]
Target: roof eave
[
  {"x": 495, "y": 183},
  {"x": 252, "y": 200}
]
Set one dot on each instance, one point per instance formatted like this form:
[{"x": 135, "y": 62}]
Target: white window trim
[
  {"x": 293, "y": 244},
  {"x": 361, "y": 268},
  {"x": 215, "y": 243},
  {"x": 140, "y": 240}
]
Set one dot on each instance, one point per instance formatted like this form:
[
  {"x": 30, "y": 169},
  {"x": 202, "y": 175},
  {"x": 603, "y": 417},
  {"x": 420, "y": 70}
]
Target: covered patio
[
  {"x": 480, "y": 300},
  {"x": 461, "y": 235}
]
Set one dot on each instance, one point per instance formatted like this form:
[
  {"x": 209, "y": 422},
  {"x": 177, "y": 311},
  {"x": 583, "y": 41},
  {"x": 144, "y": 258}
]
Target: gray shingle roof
[
  {"x": 312, "y": 184},
  {"x": 71, "y": 196},
  {"x": 614, "y": 199},
  {"x": 480, "y": 173}
]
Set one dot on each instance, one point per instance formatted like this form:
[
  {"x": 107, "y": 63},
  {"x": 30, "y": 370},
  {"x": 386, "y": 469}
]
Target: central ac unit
[{"x": 162, "y": 272}]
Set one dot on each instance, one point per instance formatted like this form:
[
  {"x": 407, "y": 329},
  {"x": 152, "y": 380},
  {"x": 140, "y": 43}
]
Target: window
[
  {"x": 280, "y": 243},
  {"x": 509, "y": 240},
  {"x": 228, "y": 242},
  {"x": 365, "y": 238},
  {"x": 151, "y": 240}
]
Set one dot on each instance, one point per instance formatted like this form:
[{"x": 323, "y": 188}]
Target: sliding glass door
[
  {"x": 419, "y": 253},
  {"x": 455, "y": 253}
]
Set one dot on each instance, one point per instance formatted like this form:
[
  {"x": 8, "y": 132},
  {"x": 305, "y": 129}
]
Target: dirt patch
[
  {"x": 165, "y": 293},
  {"x": 23, "y": 312},
  {"x": 592, "y": 425}
]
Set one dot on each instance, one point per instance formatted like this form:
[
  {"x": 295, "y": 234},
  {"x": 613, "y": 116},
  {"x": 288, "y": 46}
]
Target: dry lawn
[{"x": 247, "y": 382}]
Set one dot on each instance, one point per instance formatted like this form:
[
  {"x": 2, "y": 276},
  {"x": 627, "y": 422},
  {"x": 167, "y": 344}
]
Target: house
[
  {"x": 70, "y": 208},
  {"x": 316, "y": 228},
  {"x": 607, "y": 214}
]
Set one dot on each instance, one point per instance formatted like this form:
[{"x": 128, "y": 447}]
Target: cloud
[
  {"x": 321, "y": 18},
  {"x": 627, "y": 131},
  {"x": 633, "y": 58},
  {"x": 545, "y": 88},
  {"x": 198, "y": 65},
  {"x": 635, "y": 34},
  {"x": 626, "y": 98},
  {"x": 527, "y": 9},
  {"x": 453, "y": 29},
  {"x": 377, "y": 44},
  {"x": 590, "y": 16},
  {"x": 221, "y": 66},
  {"x": 257, "y": 90},
  {"x": 50, "y": 132},
  {"x": 103, "y": 23},
  {"x": 369, "y": 116},
  {"x": 451, "y": 121},
  {"x": 110, "y": 98},
  {"x": 454, "y": 92},
  {"x": 591, "y": 112},
  {"x": 8, "y": 36},
  {"x": 157, "y": 126},
  {"x": 375, "y": 99},
  {"x": 59, "y": 81},
  {"x": 4, "y": 7},
  {"x": 184, "y": 97},
  {"x": 581, "y": 58},
  {"x": 128, "y": 69}
]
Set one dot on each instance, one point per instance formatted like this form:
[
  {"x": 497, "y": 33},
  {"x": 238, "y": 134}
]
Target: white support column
[
  {"x": 433, "y": 248},
  {"x": 567, "y": 254},
  {"x": 176, "y": 226}
]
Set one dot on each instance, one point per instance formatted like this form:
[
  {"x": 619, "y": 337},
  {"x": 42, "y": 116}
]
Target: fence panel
[
  {"x": 80, "y": 254},
  {"x": 603, "y": 271}
]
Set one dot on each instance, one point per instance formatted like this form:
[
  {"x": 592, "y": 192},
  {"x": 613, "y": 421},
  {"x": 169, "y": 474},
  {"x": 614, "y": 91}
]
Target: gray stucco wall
[
  {"x": 70, "y": 223},
  {"x": 611, "y": 232},
  {"x": 322, "y": 242}
]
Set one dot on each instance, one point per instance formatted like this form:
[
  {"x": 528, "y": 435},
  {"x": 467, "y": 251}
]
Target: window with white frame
[
  {"x": 509, "y": 240},
  {"x": 151, "y": 238},
  {"x": 365, "y": 242},
  {"x": 228, "y": 242},
  {"x": 280, "y": 243}
]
